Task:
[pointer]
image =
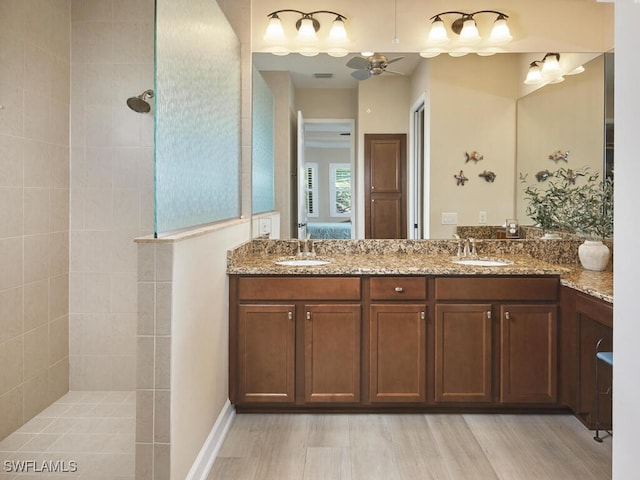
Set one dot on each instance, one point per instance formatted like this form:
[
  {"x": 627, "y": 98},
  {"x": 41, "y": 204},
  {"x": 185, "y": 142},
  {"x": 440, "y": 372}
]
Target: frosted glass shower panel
[
  {"x": 197, "y": 137},
  {"x": 262, "y": 145}
]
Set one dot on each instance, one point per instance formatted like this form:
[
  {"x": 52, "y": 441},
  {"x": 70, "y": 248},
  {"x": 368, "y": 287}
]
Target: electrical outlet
[
  {"x": 449, "y": 218},
  {"x": 482, "y": 217}
]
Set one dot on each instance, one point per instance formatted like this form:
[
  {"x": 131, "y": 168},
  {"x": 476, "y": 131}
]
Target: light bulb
[
  {"x": 500, "y": 33},
  {"x": 438, "y": 33},
  {"x": 469, "y": 34}
]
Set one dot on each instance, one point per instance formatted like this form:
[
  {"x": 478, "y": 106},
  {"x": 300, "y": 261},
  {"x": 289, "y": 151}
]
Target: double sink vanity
[{"x": 407, "y": 325}]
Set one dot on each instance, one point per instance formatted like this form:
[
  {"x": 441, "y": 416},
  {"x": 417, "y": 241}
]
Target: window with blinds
[
  {"x": 311, "y": 184},
  {"x": 340, "y": 189}
]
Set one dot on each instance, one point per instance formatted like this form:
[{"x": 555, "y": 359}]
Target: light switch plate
[
  {"x": 449, "y": 218},
  {"x": 482, "y": 217}
]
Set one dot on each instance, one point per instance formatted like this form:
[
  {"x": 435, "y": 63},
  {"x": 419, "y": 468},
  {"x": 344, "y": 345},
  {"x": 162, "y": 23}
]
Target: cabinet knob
[
  {"x": 290, "y": 315},
  {"x": 507, "y": 316},
  {"x": 399, "y": 289},
  {"x": 489, "y": 314},
  {"x": 308, "y": 315},
  {"x": 421, "y": 315}
]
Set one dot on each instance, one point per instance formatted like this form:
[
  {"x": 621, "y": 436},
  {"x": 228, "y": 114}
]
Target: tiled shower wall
[
  {"x": 34, "y": 206},
  {"x": 112, "y": 56}
]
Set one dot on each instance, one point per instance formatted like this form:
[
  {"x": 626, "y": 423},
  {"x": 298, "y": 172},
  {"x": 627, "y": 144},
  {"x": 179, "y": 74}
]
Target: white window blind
[{"x": 311, "y": 184}]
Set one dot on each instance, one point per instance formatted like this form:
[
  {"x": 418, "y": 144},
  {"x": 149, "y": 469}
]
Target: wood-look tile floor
[{"x": 411, "y": 447}]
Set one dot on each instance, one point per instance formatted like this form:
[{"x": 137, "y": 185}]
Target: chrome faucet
[
  {"x": 457, "y": 237},
  {"x": 466, "y": 251}
]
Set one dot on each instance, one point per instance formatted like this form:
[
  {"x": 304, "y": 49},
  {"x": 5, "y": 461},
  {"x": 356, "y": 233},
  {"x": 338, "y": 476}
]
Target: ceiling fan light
[
  {"x": 500, "y": 33},
  {"x": 469, "y": 34},
  {"x": 338, "y": 33},
  {"x": 274, "y": 34},
  {"x": 307, "y": 32},
  {"x": 438, "y": 33},
  {"x": 534, "y": 75}
]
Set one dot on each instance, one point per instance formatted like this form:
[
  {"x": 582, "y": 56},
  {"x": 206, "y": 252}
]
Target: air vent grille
[{"x": 323, "y": 75}]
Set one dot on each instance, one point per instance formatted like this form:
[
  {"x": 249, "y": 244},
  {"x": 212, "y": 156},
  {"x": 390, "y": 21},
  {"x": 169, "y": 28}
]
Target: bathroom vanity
[{"x": 406, "y": 329}]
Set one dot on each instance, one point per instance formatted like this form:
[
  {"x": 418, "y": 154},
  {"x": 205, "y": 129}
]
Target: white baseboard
[{"x": 209, "y": 451}]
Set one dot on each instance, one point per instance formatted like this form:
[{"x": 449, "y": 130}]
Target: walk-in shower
[{"x": 140, "y": 104}]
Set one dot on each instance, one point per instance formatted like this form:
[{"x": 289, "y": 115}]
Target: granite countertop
[{"x": 412, "y": 259}]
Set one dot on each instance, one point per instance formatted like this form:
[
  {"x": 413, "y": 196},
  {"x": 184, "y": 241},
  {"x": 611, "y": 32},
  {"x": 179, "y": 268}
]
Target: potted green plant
[
  {"x": 547, "y": 202},
  {"x": 592, "y": 217}
]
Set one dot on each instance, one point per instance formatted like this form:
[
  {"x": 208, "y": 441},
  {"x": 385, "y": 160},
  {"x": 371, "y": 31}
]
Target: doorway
[{"x": 385, "y": 174}]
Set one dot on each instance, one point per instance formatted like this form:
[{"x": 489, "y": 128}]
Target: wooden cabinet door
[
  {"x": 463, "y": 353},
  {"x": 397, "y": 353},
  {"x": 332, "y": 353},
  {"x": 266, "y": 354},
  {"x": 595, "y": 321},
  {"x": 528, "y": 353}
]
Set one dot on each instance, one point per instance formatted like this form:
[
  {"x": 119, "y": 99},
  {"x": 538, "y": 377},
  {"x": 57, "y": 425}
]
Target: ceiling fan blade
[
  {"x": 358, "y": 63},
  {"x": 394, "y": 60},
  {"x": 361, "y": 74},
  {"x": 394, "y": 73}
]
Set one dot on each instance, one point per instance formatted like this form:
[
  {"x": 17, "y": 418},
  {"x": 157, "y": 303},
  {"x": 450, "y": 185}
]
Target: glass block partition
[
  {"x": 262, "y": 145},
  {"x": 197, "y": 115}
]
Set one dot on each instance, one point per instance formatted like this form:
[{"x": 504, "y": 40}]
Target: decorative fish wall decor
[
  {"x": 488, "y": 176},
  {"x": 460, "y": 178},
  {"x": 558, "y": 155},
  {"x": 474, "y": 156},
  {"x": 542, "y": 175}
]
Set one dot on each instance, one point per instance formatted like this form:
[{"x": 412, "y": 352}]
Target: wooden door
[
  {"x": 385, "y": 187},
  {"x": 528, "y": 354},
  {"x": 332, "y": 353},
  {"x": 463, "y": 351},
  {"x": 397, "y": 350},
  {"x": 266, "y": 354}
]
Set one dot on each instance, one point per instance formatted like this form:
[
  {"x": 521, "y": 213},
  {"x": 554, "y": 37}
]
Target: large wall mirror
[{"x": 473, "y": 117}]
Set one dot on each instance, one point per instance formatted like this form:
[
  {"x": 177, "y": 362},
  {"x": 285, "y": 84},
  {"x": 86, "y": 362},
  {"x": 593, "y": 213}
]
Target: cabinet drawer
[
  {"x": 299, "y": 288},
  {"x": 498, "y": 288},
  {"x": 398, "y": 288}
]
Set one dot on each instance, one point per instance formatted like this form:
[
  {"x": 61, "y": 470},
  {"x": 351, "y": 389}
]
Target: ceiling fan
[{"x": 371, "y": 66}]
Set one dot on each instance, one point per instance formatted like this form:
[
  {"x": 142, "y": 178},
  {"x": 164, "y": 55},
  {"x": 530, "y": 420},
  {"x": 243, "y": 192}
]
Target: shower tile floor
[{"x": 84, "y": 435}]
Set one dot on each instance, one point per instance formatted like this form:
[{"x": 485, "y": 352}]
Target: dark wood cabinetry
[
  {"x": 585, "y": 320},
  {"x": 266, "y": 353},
  {"x": 332, "y": 353},
  {"x": 384, "y": 342},
  {"x": 511, "y": 347},
  {"x": 463, "y": 353}
]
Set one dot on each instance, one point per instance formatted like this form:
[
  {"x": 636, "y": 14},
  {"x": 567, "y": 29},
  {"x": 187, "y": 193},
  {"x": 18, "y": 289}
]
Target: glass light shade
[
  {"x": 337, "y": 52},
  {"x": 306, "y": 32},
  {"x": 431, "y": 52},
  {"x": 575, "y": 71},
  {"x": 460, "y": 52},
  {"x": 534, "y": 75},
  {"x": 438, "y": 33},
  {"x": 558, "y": 79},
  {"x": 338, "y": 34},
  {"x": 274, "y": 33},
  {"x": 550, "y": 65},
  {"x": 309, "y": 51},
  {"x": 278, "y": 50},
  {"x": 500, "y": 33},
  {"x": 469, "y": 34}
]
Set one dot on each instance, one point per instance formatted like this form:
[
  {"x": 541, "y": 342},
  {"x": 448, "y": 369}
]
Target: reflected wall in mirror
[{"x": 470, "y": 103}]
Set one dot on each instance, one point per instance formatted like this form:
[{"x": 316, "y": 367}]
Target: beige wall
[
  {"x": 34, "y": 208},
  {"x": 383, "y": 107},
  {"x": 567, "y": 116},
  {"x": 327, "y": 102},
  {"x": 284, "y": 157},
  {"x": 472, "y": 106},
  {"x": 111, "y": 186}
]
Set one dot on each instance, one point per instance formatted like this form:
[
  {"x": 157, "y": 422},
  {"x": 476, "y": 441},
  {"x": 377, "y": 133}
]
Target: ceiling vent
[{"x": 323, "y": 75}]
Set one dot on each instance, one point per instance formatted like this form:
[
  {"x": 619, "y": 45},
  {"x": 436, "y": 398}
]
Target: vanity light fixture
[
  {"x": 307, "y": 39},
  {"x": 468, "y": 36},
  {"x": 548, "y": 70}
]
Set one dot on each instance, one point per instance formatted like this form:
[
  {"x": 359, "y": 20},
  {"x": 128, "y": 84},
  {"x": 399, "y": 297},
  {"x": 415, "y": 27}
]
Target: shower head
[{"x": 139, "y": 104}]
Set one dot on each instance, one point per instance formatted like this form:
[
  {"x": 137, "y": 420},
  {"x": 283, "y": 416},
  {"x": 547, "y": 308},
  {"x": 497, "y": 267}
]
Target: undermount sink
[
  {"x": 302, "y": 262},
  {"x": 482, "y": 262}
]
